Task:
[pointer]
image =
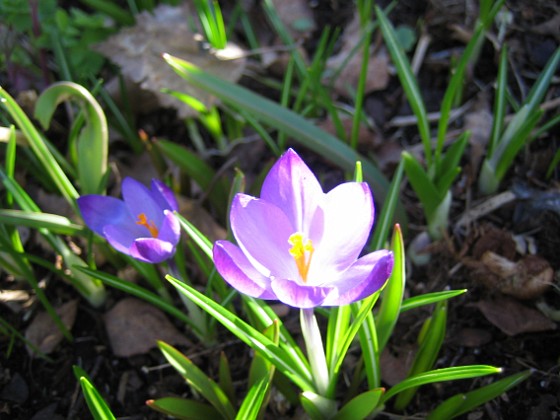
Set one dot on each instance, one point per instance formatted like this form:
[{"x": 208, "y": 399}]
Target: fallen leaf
[
  {"x": 43, "y": 332},
  {"x": 394, "y": 368},
  {"x": 296, "y": 16},
  {"x": 471, "y": 337},
  {"x": 347, "y": 80},
  {"x": 134, "y": 327},
  {"x": 479, "y": 122},
  {"x": 514, "y": 318},
  {"x": 138, "y": 50}
]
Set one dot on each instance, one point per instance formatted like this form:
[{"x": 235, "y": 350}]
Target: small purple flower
[
  {"x": 141, "y": 225},
  {"x": 299, "y": 245}
]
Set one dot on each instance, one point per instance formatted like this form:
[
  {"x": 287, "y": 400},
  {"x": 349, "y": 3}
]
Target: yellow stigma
[
  {"x": 302, "y": 253},
  {"x": 150, "y": 225}
]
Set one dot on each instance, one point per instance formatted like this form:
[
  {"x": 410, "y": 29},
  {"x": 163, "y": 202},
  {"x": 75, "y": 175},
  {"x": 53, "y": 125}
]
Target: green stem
[{"x": 315, "y": 350}]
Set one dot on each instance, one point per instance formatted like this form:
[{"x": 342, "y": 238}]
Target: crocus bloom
[
  {"x": 141, "y": 225},
  {"x": 299, "y": 245}
]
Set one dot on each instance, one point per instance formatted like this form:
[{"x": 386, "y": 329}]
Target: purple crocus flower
[
  {"x": 141, "y": 225},
  {"x": 299, "y": 245}
]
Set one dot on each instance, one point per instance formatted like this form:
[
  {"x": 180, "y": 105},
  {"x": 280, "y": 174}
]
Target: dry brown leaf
[
  {"x": 378, "y": 66},
  {"x": 394, "y": 368},
  {"x": 513, "y": 318},
  {"x": 138, "y": 50},
  {"x": 134, "y": 326},
  {"x": 479, "y": 122},
  {"x": 44, "y": 333},
  {"x": 296, "y": 16}
]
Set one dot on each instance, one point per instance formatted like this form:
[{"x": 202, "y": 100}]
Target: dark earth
[{"x": 494, "y": 323}]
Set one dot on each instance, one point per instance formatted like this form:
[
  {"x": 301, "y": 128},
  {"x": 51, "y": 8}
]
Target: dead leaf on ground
[
  {"x": 394, "y": 368},
  {"x": 43, "y": 332},
  {"x": 134, "y": 327},
  {"x": 514, "y": 318},
  {"x": 297, "y": 16},
  {"x": 138, "y": 50},
  {"x": 479, "y": 122},
  {"x": 378, "y": 66}
]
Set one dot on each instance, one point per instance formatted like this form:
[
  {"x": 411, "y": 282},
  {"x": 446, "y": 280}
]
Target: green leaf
[
  {"x": 463, "y": 403},
  {"x": 392, "y": 295},
  {"x": 423, "y": 186},
  {"x": 196, "y": 235},
  {"x": 425, "y": 358},
  {"x": 440, "y": 375},
  {"x": 316, "y": 406},
  {"x": 252, "y": 404},
  {"x": 249, "y": 335},
  {"x": 93, "y": 140},
  {"x": 361, "y": 406},
  {"x": 499, "y": 102},
  {"x": 449, "y": 168},
  {"x": 183, "y": 409},
  {"x": 408, "y": 81},
  {"x": 198, "y": 380},
  {"x": 96, "y": 404},
  {"x": 40, "y": 148},
  {"x": 429, "y": 298},
  {"x": 37, "y": 220}
]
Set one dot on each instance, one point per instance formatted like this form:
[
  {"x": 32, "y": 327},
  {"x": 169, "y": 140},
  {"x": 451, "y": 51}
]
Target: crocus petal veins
[
  {"x": 302, "y": 253},
  {"x": 150, "y": 225},
  {"x": 142, "y": 224},
  {"x": 299, "y": 245}
]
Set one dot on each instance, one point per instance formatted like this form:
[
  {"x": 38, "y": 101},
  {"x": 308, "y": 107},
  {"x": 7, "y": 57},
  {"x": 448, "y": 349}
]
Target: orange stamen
[
  {"x": 148, "y": 224},
  {"x": 302, "y": 253}
]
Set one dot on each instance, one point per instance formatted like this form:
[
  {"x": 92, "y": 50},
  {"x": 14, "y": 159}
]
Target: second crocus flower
[{"x": 141, "y": 225}]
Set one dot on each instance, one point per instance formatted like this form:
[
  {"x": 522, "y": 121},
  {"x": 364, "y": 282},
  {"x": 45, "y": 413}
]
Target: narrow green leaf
[
  {"x": 440, "y": 375},
  {"x": 426, "y": 356},
  {"x": 408, "y": 81},
  {"x": 429, "y": 298},
  {"x": 499, "y": 102},
  {"x": 183, "y": 409},
  {"x": 198, "y": 380},
  {"x": 449, "y": 168},
  {"x": 248, "y": 335},
  {"x": 93, "y": 140},
  {"x": 423, "y": 186},
  {"x": 96, "y": 404},
  {"x": 196, "y": 235},
  {"x": 253, "y": 402},
  {"x": 39, "y": 148},
  {"x": 361, "y": 406},
  {"x": 392, "y": 295},
  {"x": 37, "y": 220},
  {"x": 463, "y": 403}
]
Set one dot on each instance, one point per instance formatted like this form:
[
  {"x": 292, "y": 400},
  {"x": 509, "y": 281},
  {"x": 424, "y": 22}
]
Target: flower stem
[{"x": 315, "y": 350}]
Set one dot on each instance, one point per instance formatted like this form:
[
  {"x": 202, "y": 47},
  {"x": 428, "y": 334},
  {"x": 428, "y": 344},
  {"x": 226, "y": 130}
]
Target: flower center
[
  {"x": 302, "y": 251},
  {"x": 148, "y": 224}
]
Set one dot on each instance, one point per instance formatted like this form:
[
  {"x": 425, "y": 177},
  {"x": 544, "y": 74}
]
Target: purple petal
[
  {"x": 365, "y": 277},
  {"x": 239, "y": 273},
  {"x": 99, "y": 211},
  {"x": 121, "y": 237},
  {"x": 300, "y": 296},
  {"x": 170, "y": 229},
  {"x": 139, "y": 199},
  {"x": 151, "y": 250},
  {"x": 291, "y": 186},
  {"x": 164, "y": 196},
  {"x": 262, "y": 231},
  {"x": 348, "y": 217}
]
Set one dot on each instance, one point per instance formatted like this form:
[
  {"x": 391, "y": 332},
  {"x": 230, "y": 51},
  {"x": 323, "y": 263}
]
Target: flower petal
[
  {"x": 300, "y": 296},
  {"x": 164, "y": 196},
  {"x": 291, "y": 186},
  {"x": 122, "y": 236},
  {"x": 348, "y": 217},
  {"x": 262, "y": 231},
  {"x": 139, "y": 199},
  {"x": 238, "y": 272},
  {"x": 365, "y": 277},
  {"x": 99, "y": 211},
  {"x": 170, "y": 229},
  {"x": 152, "y": 250}
]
